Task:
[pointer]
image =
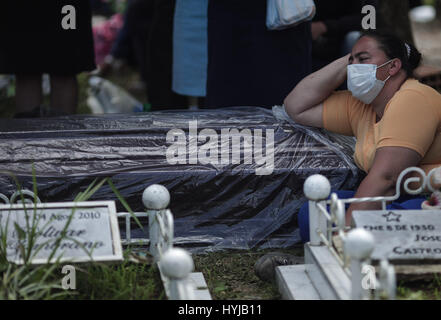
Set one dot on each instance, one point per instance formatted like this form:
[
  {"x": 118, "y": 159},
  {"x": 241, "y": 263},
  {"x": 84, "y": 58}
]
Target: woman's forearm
[
  {"x": 318, "y": 86},
  {"x": 371, "y": 186}
]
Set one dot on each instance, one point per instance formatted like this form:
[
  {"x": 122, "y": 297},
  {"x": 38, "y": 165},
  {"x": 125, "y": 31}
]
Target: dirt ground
[{"x": 230, "y": 274}]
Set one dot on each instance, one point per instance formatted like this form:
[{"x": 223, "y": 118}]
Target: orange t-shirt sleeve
[
  {"x": 410, "y": 122},
  {"x": 336, "y": 113}
]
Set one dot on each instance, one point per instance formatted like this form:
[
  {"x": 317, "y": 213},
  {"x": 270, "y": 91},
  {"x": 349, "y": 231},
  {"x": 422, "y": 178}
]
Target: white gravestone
[
  {"x": 403, "y": 235},
  {"x": 92, "y": 234}
]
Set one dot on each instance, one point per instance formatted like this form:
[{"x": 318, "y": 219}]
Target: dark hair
[{"x": 394, "y": 47}]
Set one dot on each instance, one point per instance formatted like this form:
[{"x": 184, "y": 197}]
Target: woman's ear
[{"x": 395, "y": 67}]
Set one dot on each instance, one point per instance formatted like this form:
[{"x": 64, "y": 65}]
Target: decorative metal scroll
[{"x": 17, "y": 197}]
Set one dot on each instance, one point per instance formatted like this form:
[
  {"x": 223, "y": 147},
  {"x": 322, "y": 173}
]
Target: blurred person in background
[
  {"x": 160, "y": 59},
  {"x": 335, "y": 29},
  {"x": 36, "y": 43},
  {"x": 190, "y": 51},
  {"x": 131, "y": 44},
  {"x": 145, "y": 42},
  {"x": 249, "y": 65}
]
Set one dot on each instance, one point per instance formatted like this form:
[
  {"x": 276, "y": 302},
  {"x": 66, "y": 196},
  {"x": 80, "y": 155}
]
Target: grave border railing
[
  {"x": 358, "y": 244},
  {"x": 175, "y": 265}
]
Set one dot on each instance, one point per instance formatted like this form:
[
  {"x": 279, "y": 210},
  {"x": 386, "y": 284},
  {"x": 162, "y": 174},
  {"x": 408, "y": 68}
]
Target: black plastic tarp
[{"x": 223, "y": 205}]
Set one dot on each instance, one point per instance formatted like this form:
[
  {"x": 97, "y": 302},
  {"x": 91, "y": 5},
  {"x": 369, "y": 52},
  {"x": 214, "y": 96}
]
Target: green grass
[
  {"x": 83, "y": 85},
  {"x": 428, "y": 289},
  {"x": 230, "y": 275},
  {"x": 98, "y": 281},
  {"x": 132, "y": 279},
  {"x": 125, "y": 281},
  {"x": 429, "y": 2}
]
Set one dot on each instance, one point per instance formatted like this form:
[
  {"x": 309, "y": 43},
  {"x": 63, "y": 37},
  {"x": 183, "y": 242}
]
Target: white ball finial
[
  {"x": 316, "y": 188},
  {"x": 359, "y": 244},
  {"x": 156, "y": 197},
  {"x": 176, "y": 263}
]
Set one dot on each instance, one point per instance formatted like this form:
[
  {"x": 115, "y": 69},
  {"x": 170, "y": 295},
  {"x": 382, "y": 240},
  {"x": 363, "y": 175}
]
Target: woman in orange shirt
[{"x": 395, "y": 119}]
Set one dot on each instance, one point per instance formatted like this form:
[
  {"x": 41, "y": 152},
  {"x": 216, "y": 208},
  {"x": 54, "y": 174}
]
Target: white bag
[{"x": 283, "y": 14}]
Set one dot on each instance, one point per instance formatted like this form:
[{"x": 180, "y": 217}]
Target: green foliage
[
  {"x": 230, "y": 275},
  {"x": 118, "y": 6},
  {"x": 427, "y": 289},
  {"x": 125, "y": 281},
  {"x": 429, "y": 2},
  {"x": 83, "y": 85},
  {"x": 408, "y": 294},
  {"x": 24, "y": 280}
]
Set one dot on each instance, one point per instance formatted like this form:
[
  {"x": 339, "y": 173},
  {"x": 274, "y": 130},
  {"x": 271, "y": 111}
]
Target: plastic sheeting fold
[{"x": 223, "y": 205}]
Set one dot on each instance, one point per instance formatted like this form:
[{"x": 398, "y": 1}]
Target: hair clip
[{"x": 408, "y": 50}]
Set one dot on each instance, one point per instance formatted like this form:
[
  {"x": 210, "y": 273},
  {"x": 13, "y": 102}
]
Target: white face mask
[{"x": 363, "y": 82}]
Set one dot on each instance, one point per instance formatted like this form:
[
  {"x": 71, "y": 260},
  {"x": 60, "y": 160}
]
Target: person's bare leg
[
  {"x": 29, "y": 93},
  {"x": 64, "y": 93}
]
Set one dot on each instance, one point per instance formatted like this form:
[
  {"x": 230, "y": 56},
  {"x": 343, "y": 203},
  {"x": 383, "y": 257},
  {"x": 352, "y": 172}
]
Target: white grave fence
[
  {"x": 16, "y": 197},
  {"x": 175, "y": 264},
  {"x": 358, "y": 244}
]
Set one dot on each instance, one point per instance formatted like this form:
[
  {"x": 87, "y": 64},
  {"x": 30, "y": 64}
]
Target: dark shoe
[{"x": 265, "y": 267}]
